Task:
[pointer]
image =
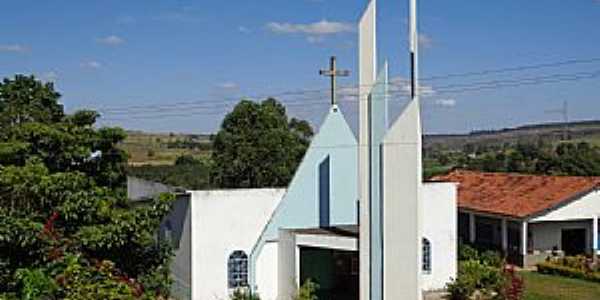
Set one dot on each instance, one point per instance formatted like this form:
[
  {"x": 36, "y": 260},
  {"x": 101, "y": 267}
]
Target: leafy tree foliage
[
  {"x": 541, "y": 157},
  {"x": 577, "y": 159},
  {"x": 24, "y": 99},
  {"x": 67, "y": 231},
  {"x": 258, "y": 146}
]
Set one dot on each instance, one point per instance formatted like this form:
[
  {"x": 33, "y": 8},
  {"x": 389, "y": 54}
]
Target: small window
[
  {"x": 168, "y": 232},
  {"x": 237, "y": 270},
  {"x": 426, "y": 256}
]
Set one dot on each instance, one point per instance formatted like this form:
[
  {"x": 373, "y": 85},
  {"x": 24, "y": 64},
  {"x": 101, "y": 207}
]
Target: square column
[
  {"x": 595, "y": 236},
  {"x": 472, "y": 229},
  {"x": 524, "y": 239},
  {"x": 504, "y": 236}
]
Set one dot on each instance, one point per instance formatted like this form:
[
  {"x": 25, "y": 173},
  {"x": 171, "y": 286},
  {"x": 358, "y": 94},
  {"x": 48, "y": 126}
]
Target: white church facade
[
  {"x": 356, "y": 217},
  {"x": 270, "y": 240}
]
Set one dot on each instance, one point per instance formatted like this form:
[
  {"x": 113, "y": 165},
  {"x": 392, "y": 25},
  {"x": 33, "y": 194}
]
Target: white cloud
[
  {"x": 425, "y": 41},
  {"x": 111, "y": 40},
  {"x": 244, "y": 29},
  {"x": 15, "y": 48},
  {"x": 228, "y": 85},
  {"x": 92, "y": 64},
  {"x": 445, "y": 102},
  {"x": 320, "y": 28}
]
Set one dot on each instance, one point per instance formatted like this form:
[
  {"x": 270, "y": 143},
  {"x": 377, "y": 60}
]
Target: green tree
[
  {"x": 25, "y": 99},
  {"x": 258, "y": 146},
  {"x": 67, "y": 231}
]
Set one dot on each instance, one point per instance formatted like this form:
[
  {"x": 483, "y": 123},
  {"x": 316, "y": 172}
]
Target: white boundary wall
[
  {"x": 440, "y": 227},
  {"x": 223, "y": 222}
]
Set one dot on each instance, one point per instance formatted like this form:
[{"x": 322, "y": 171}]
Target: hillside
[
  {"x": 588, "y": 131},
  {"x": 164, "y": 148},
  {"x": 147, "y": 148}
]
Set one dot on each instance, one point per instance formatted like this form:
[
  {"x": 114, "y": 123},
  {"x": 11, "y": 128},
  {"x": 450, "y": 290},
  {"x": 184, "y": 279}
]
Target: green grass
[{"x": 548, "y": 287}]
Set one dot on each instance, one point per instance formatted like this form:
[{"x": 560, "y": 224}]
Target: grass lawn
[{"x": 546, "y": 287}]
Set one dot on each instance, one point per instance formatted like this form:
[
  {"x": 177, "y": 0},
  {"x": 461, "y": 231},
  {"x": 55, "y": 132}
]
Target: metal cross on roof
[{"x": 333, "y": 72}]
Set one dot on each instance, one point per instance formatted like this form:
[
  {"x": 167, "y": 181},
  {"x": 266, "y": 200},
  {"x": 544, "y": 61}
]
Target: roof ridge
[{"x": 501, "y": 173}]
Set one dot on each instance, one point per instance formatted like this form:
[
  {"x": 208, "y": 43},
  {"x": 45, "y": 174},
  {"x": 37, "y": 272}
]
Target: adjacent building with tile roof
[{"x": 547, "y": 214}]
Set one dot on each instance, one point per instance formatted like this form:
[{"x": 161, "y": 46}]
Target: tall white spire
[
  {"x": 402, "y": 190},
  {"x": 367, "y": 76}
]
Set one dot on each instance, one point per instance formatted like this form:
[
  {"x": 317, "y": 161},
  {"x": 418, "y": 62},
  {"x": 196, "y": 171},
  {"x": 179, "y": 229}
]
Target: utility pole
[
  {"x": 564, "y": 111},
  {"x": 333, "y": 73}
]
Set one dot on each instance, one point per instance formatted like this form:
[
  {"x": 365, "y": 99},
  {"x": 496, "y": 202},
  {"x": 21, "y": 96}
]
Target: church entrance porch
[{"x": 335, "y": 272}]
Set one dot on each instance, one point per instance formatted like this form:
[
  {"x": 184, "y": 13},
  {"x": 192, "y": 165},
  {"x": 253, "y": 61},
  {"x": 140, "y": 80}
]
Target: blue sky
[{"x": 185, "y": 62}]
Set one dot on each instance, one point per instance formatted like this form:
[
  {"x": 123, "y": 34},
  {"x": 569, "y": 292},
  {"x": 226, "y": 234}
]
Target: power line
[
  {"x": 514, "y": 69},
  {"x": 308, "y": 104},
  {"x": 307, "y": 92}
]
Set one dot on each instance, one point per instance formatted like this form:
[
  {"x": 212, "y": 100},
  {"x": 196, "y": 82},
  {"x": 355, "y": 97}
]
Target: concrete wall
[
  {"x": 266, "y": 272},
  {"x": 440, "y": 227},
  {"x": 176, "y": 228},
  {"x": 223, "y": 222},
  {"x": 140, "y": 189},
  {"x": 288, "y": 265},
  {"x": 547, "y": 235},
  {"x": 547, "y": 228}
]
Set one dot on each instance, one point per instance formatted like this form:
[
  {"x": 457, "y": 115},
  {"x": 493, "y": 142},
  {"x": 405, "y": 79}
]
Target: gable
[
  {"x": 585, "y": 207},
  {"x": 334, "y": 146},
  {"x": 299, "y": 208}
]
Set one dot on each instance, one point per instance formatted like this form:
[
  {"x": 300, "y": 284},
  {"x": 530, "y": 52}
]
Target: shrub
[
  {"x": 485, "y": 281},
  {"x": 513, "y": 285},
  {"x": 474, "y": 276},
  {"x": 243, "y": 294},
  {"x": 551, "y": 268},
  {"x": 466, "y": 252},
  {"x": 575, "y": 262},
  {"x": 491, "y": 258},
  {"x": 308, "y": 291},
  {"x": 36, "y": 284},
  {"x": 486, "y": 257}
]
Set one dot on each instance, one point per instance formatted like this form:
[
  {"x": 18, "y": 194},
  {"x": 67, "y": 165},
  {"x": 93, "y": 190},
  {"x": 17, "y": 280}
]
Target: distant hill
[
  {"x": 164, "y": 148},
  {"x": 549, "y": 132},
  {"x": 146, "y": 148}
]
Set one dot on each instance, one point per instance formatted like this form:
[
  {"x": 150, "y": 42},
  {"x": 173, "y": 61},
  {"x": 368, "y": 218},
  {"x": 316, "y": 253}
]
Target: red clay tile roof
[{"x": 516, "y": 195}]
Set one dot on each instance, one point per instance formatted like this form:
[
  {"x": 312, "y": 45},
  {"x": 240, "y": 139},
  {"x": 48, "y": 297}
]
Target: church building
[{"x": 356, "y": 218}]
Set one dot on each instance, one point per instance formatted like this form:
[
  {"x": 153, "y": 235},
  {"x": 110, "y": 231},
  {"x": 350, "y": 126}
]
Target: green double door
[{"x": 336, "y": 272}]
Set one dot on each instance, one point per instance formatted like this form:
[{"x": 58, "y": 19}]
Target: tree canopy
[
  {"x": 67, "y": 230},
  {"x": 575, "y": 158},
  {"x": 258, "y": 146}
]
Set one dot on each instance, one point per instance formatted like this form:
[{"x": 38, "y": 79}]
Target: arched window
[
  {"x": 426, "y": 256},
  {"x": 237, "y": 270}
]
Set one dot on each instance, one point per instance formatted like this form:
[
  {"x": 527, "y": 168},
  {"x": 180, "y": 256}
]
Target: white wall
[
  {"x": 288, "y": 265},
  {"x": 585, "y": 207},
  {"x": 547, "y": 235},
  {"x": 223, "y": 222},
  {"x": 440, "y": 227},
  {"x": 266, "y": 271}
]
